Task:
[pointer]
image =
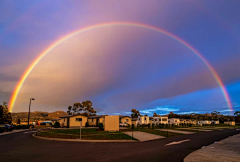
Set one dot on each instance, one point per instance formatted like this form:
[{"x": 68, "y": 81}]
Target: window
[
  {"x": 126, "y": 120},
  {"x": 145, "y": 119},
  {"x": 64, "y": 119},
  {"x": 92, "y": 120},
  {"x": 164, "y": 119}
]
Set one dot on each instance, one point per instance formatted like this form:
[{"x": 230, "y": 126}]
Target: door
[
  {"x": 67, "y": 122},
  {"x": 97, "y": 120}
]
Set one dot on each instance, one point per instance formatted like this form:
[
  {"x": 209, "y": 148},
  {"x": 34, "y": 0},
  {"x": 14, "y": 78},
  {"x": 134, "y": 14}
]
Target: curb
[{"x": 78, "y": 140}]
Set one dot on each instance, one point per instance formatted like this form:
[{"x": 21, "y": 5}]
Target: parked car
[
  {"x": 123, "y": 124},
  {"x": 6, "y": 127}
]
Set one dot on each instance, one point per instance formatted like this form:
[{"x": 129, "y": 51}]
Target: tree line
[{"x": 215, "y": 115}]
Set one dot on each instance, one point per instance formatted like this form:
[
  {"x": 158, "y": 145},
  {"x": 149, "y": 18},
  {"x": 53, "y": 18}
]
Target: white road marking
[{"x": 178, "y": 142}]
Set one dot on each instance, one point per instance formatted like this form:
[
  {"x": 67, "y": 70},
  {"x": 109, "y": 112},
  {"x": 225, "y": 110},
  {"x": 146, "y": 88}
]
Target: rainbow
[{"x": 131, "y": 24}]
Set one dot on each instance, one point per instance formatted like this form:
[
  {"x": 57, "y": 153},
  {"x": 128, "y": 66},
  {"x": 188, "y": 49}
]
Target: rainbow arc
[{"x": 131, "y": 24}]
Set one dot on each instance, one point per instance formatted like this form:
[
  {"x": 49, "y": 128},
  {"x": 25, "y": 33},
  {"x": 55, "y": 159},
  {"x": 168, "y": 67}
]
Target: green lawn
[{"x": 87, "y": 134}]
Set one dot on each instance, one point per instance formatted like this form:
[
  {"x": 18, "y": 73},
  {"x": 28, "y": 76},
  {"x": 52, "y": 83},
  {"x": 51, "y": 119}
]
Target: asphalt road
[{"x": 22, "y": 146}]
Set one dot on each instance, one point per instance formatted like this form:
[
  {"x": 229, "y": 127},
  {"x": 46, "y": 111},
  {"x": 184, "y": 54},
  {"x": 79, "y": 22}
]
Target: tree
[
  {"x": 237, "y": 118},
  {"x": 155, "y": 114},
  {"x": 5, "y": 115},
  {"x": 69, "y": 110},
  {"x": 84, "y": 108},
  {"x": 135, "y": 113},
  {"x": 172, "y": 115},
  {"x": 18, "y": 121}
]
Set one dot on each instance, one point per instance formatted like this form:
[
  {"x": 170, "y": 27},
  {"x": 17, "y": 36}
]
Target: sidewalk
[
  {"x": 227, "y": 150},
  {"x": 13, "y": 131},
  {"x": 78, "y": 140},
  {"x": 143, "y": 136}
]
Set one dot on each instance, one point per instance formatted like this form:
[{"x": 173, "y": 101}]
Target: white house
[
  {"x": 163, "y": 120},
  {"x": 215, "y": 121},
  {"x": 229, "y": 122},
  {"x": 159, "y": 120},
  {"x": 174, "y": 121},
  {"x": 143, "y": 120},
  {"x": 204, "y": 122}
]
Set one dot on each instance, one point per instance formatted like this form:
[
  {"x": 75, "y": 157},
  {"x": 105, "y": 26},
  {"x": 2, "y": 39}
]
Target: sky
[{"x": 120, "y": 68}]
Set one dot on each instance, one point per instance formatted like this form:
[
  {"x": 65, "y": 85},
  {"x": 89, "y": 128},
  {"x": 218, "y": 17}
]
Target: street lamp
[{"x": 29, "y": 109}]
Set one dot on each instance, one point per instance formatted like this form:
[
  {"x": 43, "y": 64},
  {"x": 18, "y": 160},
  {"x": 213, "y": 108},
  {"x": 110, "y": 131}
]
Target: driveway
[{"x": 142, "y": 136}]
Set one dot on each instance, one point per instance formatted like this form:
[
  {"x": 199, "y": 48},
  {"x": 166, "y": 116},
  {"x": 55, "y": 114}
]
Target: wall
[
  {"x": 123, "y": 120},
  {"x": 111, "y": 123},
  {"x": 164, "y": 122},
  {"x": 134, "y": 122},
  {"x": 92, "y": 122},
  {"x": 74, "y": 123},
  {"x": 62, "y": 122},
  {"x": 143, "y": 121}
]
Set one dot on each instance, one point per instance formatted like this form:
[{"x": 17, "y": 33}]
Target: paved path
[
  {"x": 22, "y": 147},
  {"x": 203, "y": 130},
  {"x": 176, "y": 131},
  {"x": 143, "y": 136},
  {"x": 227, "y": 150}
]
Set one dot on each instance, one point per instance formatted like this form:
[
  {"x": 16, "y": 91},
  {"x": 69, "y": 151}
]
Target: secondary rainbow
[{"x": 102, "y": 25}]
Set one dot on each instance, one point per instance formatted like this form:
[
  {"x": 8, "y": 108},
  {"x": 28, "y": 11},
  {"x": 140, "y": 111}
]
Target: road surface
[{"x": 22, "y": 147}]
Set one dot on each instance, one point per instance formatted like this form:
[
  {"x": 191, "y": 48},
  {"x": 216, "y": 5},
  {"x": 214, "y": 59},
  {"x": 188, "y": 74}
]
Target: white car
[{"x": 123, "y": 124}]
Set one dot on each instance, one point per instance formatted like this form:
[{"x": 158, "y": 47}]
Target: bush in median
[
  {"x": 56, "y": 124},
  {"x": 100, "y": 125}
]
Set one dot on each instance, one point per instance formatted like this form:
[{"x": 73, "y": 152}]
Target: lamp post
[{"x": 29, "y": 109}]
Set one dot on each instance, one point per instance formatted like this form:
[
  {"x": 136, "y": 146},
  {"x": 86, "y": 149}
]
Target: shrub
[
  {"x": 87, "y": 124},
  {"x": 100, "y": 125},
  {"x": 1, "y": 130},
  {"x": 25, "y": 126},
  {"x": 148, "y": 125},
  {"x": 138, "y": 125},
  {"x": 152, "y": 125},
  {"x": 18, "y": 127},
  {"x": 56, "y": 124}
]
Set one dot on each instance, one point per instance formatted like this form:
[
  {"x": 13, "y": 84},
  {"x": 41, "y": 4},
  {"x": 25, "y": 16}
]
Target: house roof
[
  {"x": 97, "y": 116},
  {"x": 68, "y": 116},
  {"x": 123, "y": 116},
  {"x": 55, "y": 119}
]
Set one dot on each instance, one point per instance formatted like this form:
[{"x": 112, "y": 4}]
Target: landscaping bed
[{"x": 86, "y": 134}]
